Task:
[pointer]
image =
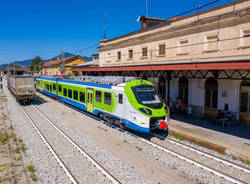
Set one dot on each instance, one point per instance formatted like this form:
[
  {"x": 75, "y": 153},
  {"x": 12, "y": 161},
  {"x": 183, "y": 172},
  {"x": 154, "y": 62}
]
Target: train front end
[{"x": 148, "y": 112}]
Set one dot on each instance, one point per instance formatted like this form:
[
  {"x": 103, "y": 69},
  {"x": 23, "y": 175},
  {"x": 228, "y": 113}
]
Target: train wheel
[{"x": 121, "y": 124}]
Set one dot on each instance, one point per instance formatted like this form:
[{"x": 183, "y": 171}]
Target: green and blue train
[{"x": 133, "y": 104}]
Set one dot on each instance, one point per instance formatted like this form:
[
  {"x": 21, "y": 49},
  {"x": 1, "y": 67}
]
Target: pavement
[{"x": 233, "y": 139}]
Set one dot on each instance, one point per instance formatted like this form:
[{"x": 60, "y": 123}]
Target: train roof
[
  {"x": 105, "y": 80},
  {"x": 21, "y": 76}
]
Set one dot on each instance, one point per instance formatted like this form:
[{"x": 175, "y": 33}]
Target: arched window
[
  {"x": 183, "y": 90},
  {"x": 162, "y": 87},
  {"x": 245, "y": 102},
  {"x": 211, "y": 93}
]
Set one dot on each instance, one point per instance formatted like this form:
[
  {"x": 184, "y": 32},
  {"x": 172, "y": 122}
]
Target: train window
[
  {"x": 60, "y": 88},
  {"x": 98, "y": 96},
  {"x": 50, "y": 87},
  {"x": 82, "y": 97},
  {"x": 75, "y": 95},
  {"x": 64, "y": 92},
  {"x": 54, "y": 87},
  {"x": 120, "y": 98},
  {"x": 70, "y": 93},
  {"x": 107, "y": 98}
]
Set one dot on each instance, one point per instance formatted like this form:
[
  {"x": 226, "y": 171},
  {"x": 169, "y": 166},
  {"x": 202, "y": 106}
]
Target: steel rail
[
  {"x": 200, "y": 165},
  {"x": 61, "y": 163},
  {"x": 237, "y": 166},
  {"x": 83, "y": 152}
]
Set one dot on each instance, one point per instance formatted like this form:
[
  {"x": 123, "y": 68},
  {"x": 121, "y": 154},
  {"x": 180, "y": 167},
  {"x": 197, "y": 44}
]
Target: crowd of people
[{"x": 177, "y": 107}]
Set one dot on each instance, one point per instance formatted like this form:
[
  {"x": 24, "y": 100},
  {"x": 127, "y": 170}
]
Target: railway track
[
  {"x": 228, "y": 170},
  {"x": 79, "y": 166}
]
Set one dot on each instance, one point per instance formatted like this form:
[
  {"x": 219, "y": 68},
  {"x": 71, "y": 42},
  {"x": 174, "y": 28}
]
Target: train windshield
[{"x": 148, "y": 96}]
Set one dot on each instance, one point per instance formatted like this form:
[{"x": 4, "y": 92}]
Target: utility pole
[
  {"x": 14, "y": 69},
  {"x": 8, "y": 69},
  {"x": 62, "y": 64},
  {"x": 104, "y": 36}
]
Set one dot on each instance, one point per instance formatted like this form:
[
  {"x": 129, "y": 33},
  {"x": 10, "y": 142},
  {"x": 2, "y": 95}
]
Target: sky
[{"x": 30, "y": 28}]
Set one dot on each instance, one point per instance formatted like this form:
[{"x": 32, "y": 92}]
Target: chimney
[
  {"x": 150, "y": 21},
  {"x": 102, "y": 42}
]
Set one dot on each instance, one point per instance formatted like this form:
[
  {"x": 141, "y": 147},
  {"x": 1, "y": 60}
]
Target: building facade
[
  {"x": 202, "y": 59},
  {"x": 54, "y": 67}
]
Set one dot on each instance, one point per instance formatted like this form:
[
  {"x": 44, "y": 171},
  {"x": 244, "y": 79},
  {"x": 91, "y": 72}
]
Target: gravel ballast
[
  {"x": 193, "y": 172},
  {"x": 47, "y": 169}
]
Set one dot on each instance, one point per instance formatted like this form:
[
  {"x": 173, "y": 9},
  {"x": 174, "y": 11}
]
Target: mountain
[
  {"x": 27, "y": 62},
  {"x": 66, "y": 54},
  {"x": 22, "y": 63}
]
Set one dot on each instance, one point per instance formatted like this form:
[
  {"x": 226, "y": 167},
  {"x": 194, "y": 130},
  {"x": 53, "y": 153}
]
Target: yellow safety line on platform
[{"x": 210, "y": 139}]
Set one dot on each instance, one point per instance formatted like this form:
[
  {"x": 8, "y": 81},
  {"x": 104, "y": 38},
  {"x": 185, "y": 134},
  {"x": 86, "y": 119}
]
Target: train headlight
[{"x": 146, "y": 111}]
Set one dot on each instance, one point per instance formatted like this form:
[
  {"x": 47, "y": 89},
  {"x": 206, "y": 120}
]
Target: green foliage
[
  {"x": 36, "y": 64},
  {"x": 77, "y": 73},
  {"x": 31, "y": 168}
]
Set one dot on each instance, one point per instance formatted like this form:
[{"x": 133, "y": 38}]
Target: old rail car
[
  {"x": 22, "y": 87},
  {"x": 131, "y": 103}
]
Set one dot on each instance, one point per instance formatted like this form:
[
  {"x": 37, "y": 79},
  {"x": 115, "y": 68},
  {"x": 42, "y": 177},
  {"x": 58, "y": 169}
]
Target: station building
[{"x": 202, "y": 59}]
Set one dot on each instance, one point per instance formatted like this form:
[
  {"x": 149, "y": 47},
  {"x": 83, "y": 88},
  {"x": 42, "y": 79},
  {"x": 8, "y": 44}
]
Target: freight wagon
[
  {"x": 127, "y": 102},
  {"x": 22, "y": 87}
]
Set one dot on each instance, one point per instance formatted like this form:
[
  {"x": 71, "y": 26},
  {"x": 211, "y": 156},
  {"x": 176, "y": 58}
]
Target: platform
[{"x": 234, "y": 139}]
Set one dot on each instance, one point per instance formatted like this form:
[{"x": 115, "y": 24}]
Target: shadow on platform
[{"x": 235, "y": 130}]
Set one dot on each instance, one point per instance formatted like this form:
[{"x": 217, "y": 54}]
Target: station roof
[{"x": 232, "y": 65}]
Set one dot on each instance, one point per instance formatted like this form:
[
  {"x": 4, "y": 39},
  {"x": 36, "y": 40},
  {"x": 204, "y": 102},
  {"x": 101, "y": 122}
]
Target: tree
[
  {"x": 77, "y": 73},
  {"x": 36, "y": 64}
]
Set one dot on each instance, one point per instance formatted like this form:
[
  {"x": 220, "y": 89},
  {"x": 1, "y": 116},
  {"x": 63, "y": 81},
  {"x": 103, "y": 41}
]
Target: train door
[{"x": 90, "y": 100}]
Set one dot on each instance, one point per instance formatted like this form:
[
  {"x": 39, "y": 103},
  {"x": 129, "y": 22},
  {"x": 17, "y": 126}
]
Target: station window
[
  {"x": 107, "y": 98},
  {"x": 144, "y": 52},
  {"x": 69, "y": 93},
  {"x": 54, "y": 87},
  {"x": 119, "y": 55},
  {"x": 120, "y": 98},
  {"x": 60, "y": 88},
  {"x": 75, "y": 95},
  {"x": 130, "y": 54},
  {"x": 183, "y": 47},
  {"x": 211, "y": 43},
  {"x": 245, "y": 38},
  {"x": 64, "y": 92},
  {"x": 162, "y": 49},
  {"x": 98, "y": 96},
  {"x": 82, "y": 97}
]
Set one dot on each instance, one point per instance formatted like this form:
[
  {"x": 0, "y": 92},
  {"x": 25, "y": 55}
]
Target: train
[
  {"x": 22, "y": 87},
  {"x": 127, "y": 102}
]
